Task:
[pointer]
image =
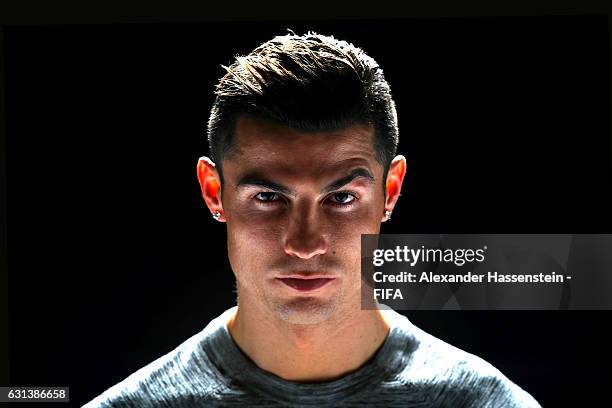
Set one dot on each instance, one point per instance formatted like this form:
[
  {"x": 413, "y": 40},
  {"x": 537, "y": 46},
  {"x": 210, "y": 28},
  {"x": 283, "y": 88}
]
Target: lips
[{"x": 305, "y": 285}]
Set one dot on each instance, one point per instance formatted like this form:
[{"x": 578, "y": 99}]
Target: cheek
[
  {"x": 345, "y": 232},
  {"x": 253, "y": 231},
  {"x": 364, "y": 218},
  {"x": 250, "y": 241}
]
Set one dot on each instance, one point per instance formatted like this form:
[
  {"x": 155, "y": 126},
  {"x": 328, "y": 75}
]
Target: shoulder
[
  {"x": 178, "y": 379},
  {"x": 451, "y": 377}
]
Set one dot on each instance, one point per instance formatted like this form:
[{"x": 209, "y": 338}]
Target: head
[{"x": 303, "y": 137}]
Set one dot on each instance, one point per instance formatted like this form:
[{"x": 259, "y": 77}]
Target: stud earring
[
  {"x": 388, "y": 214},
  {"x": 217, "y": 215}
]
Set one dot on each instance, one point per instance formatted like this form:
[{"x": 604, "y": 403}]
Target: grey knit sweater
[{"x": 411, "y": 369}]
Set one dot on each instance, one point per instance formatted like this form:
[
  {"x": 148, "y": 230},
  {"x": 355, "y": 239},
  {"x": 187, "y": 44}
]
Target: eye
[
  {"x": 342, "y": 198},
  {"x": 266, "y": 196}
]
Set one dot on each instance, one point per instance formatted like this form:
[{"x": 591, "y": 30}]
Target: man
[{"x": 303, "y": 136}]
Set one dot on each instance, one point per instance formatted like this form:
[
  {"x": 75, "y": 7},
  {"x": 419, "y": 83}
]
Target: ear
[
  {"x": 393, "y": 184},
  {"x": 210, "y": 183}
]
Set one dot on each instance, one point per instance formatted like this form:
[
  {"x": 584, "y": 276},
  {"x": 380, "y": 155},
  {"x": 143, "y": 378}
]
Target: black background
[{"x": 114, "y": 259}]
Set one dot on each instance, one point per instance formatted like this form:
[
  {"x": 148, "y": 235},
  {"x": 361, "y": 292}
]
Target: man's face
[{"x": 296, "y": 205}]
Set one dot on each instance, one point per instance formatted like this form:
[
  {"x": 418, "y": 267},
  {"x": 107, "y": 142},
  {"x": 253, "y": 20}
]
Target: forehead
[{"x": 265, "y": 145}]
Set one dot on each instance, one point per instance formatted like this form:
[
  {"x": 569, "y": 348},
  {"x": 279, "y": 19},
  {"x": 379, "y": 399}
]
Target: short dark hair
[{"x": 311, "y": 83}]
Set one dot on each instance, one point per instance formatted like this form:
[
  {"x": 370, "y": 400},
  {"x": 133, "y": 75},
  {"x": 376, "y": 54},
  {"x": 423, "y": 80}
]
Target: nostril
[{"x": 306, "y": 249}]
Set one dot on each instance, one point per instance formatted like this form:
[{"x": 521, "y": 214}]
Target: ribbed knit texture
[{"x": 411, "y": 369}]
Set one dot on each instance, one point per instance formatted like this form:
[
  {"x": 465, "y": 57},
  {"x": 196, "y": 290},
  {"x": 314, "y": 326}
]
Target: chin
[{"x": 305, "y": 310}]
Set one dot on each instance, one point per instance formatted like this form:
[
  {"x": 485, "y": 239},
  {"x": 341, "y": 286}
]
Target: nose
[{"x": 304, "y": 237}]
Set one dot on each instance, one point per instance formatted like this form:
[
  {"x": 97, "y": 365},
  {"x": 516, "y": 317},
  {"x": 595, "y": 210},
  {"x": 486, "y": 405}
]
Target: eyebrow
[{"x": 256, "y": 180}]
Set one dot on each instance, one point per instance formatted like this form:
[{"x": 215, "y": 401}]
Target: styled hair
[{"x": 311, "y": 83}]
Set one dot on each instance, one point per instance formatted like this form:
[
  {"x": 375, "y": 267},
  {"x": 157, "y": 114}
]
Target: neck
[{"x": 308, "y": 353}]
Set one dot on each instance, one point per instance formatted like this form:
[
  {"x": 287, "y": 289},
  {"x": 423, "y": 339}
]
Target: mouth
[{"x": 304, "y": 284}]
